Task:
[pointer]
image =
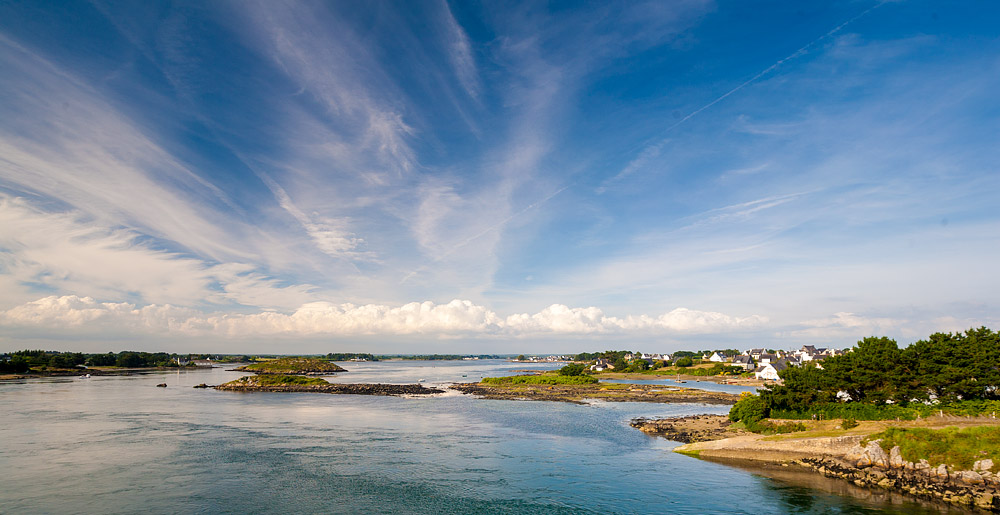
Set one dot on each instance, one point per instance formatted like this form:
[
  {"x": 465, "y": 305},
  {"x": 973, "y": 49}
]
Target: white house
[
  {"x": 718, "y": 357},
  {"x": 766, "y": 372},
  {"x": 601, "y": 365},
  {"x": 769, "y": 371}
]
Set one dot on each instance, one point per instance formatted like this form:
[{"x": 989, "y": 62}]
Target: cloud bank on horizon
[{"x": 310, "y": 175}]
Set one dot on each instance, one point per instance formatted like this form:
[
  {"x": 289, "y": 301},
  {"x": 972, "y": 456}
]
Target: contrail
[{"x": 764, "y": 72}]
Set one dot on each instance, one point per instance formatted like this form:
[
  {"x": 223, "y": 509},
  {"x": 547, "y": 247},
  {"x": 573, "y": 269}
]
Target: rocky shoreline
[
  {"x": 336, "y": 388},
  {"x": 578, "y": 393},
  {"x": 843, "y": 456},
  {"x": 872, "y": 467}
]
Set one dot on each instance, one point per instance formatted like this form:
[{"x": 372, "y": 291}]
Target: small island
[
  {"x": 298, "y": 383},
  {"x": 569, "y": 384},
  {"x": 293, "y": 366}
]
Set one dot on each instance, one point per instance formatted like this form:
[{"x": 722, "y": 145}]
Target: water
[
  {"x": 121, "y": 445},
  {"x": 701, "y": 385}
]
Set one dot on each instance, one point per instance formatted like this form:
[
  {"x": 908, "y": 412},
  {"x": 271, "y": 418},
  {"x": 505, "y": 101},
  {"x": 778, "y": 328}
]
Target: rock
[
  {"x": 202, "y": 385},
  {"x": 968, "y": 477},
  {"x": 982, "y": 465},
  {"x": 854, "y": 454},
  {"x": 874, "y": 456},
  {"x": 895, "y": 458},
  {"x": 941, "y": 472},
  {"x": 984, "y": 501},
  {"x": 921, "y": 465},
  {"x": 161, "y": 385}
]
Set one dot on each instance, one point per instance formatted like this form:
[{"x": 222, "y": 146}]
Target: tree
[
  {"x": 17, "y": 365},
  {"x": 803, "y": 387},
  {"x": 684, "y": 362},
  {"x": 573, "y": 369},
  {"x": 520, "y": 357},
  {"x": 869, "y": 373},
  {"x": 750, "y": 409}
]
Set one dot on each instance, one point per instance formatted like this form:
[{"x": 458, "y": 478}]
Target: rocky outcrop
[
  {"x": 355, "y": 389},
  {"x": 696, "y": 428},
  {"x": 870, "y": 466}
]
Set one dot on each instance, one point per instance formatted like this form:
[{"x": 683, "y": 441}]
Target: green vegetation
[
  {"x": 849, "y": 423},
  {"x": 293, "y": 365},
  {"x": 684, "y": 362},
  {"x": 348, "y": 356},
  {"x": 959, "y": 448},
  {"x": 433, "y": 357},
  {"x": 278, "y": 380},
  {"x": 573, "y": 369},
  {"x": 610, "y": 355},
  {"x": 751, "y": 412},
  {"x": 947, "y": 372},
  {"x": 540, "y": 379}
]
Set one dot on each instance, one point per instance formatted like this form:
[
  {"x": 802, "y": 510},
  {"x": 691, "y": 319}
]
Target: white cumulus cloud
[{"x": 455, "y": 318}]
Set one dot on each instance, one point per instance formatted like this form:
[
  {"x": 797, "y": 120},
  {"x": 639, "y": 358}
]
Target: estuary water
[{"x": 122, "y": 445}]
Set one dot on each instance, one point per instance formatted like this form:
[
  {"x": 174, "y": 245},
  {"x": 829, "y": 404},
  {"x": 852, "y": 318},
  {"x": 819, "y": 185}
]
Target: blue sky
[{"x": 281, "y": 176}]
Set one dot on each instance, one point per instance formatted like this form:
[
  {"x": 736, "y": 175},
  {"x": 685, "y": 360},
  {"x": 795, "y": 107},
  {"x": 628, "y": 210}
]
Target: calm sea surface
[{"x": 121, "y": 445}]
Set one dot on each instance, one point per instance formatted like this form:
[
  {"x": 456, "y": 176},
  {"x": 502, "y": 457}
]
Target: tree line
[
  {"x": 24, "y": 360},
  {"x": 944, "y": 368}
]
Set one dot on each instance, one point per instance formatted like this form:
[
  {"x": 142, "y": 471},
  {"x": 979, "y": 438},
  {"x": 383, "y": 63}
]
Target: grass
[
  {"x": 859, "y": 411},
  {"x": 958, "y": 447},
  {"x": 278, "y": 380},
  {"x": 293, "y": 366},
  {"x": 546, "y": 379}
]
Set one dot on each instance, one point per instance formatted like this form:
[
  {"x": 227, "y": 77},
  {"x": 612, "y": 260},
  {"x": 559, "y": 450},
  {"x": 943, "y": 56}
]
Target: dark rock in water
[
  {"x": 161, "y": 385},
  {"x": 202, "y": 385}
]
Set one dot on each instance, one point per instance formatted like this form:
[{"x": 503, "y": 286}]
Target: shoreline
[
  {"x": 839, "y": 454},
  {"x": 687, "y": 378},
  {"x": 96, "y": 372}
]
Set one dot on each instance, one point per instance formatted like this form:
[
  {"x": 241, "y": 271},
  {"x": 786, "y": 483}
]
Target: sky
[{"x": 496, "y": 177}]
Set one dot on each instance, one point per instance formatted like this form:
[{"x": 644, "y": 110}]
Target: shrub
[
  {"x": 684, "y": 362},
  {"x": 749, "y": 409},
  {"x": 573, "y": 369},
  {"x": 849, "y": 423},
  {"x": 770, "y": 428}
]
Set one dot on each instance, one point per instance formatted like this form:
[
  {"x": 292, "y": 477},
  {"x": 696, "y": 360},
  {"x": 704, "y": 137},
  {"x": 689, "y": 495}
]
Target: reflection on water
[{"x": 122, "y": 445}]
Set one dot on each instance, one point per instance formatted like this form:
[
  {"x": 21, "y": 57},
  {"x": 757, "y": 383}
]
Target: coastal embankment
[{"x": 851, "y": 455}]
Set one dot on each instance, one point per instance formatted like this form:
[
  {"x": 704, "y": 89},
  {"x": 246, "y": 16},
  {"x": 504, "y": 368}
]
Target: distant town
[{"x": 765, "y": 364}]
